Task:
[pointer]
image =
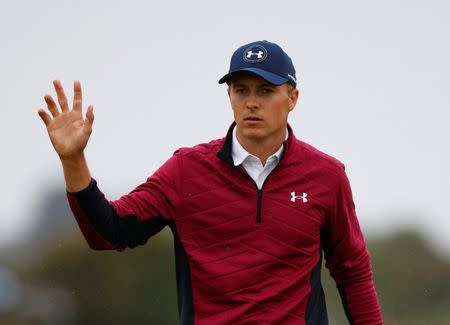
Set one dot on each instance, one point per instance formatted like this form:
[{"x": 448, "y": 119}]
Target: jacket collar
[{"x": 225, "y": 152}]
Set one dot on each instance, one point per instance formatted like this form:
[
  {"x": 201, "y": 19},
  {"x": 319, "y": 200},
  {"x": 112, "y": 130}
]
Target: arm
[
  {"x": 132, "y": 219},
  {"x": 348, "y": 259},
  {"x": 127, "y": 222}
]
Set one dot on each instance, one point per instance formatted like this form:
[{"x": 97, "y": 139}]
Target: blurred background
[{"x": 374, "y": 82}]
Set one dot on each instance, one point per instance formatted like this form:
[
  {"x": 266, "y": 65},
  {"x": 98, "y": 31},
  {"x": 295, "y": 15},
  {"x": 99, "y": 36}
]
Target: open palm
[{"x": 68, "y": 131}]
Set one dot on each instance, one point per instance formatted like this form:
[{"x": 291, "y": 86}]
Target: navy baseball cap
[{"x": 264, "y": 59}]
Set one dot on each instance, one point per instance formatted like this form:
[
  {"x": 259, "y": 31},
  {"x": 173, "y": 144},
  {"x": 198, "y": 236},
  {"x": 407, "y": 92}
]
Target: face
[{"x": 260, "y": 109}]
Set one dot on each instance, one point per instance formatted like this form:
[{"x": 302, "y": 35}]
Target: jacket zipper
[
  {"x": 259, "y": 204},
  {"x": 259, "y": 191}
]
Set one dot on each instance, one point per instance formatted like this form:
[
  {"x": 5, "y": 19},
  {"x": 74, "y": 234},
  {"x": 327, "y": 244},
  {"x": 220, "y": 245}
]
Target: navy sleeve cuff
[{"x": 87, "y": 189}]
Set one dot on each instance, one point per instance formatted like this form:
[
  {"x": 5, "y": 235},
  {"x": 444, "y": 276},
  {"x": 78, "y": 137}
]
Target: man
[{"x": 251, "y": 213}]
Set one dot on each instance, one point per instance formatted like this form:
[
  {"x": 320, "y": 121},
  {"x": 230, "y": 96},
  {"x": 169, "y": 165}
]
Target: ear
[
  {"x": 293, "y": 97},
  {"x": 229, "y": 97}
]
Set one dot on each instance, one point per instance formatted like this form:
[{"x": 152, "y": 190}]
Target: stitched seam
[
  {"x": 304, "y": 233},
  {"x": 305, "y": 212},
  {"x": 276, "y": 257},
  {"x": 214, "y": 244},
  {"x": 233, "y": 272},
  {"x": 217, "y": 225},
  {"x": 220, "y": 187},
  {"x": 288, "y": 244},
  {"x": 203, "y": 211}
]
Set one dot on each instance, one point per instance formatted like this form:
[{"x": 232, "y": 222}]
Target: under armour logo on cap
[
  {"x": 258, "y": 55},
  {"x": 264, "y": 59},
  {"x": 255, "y": 53}
]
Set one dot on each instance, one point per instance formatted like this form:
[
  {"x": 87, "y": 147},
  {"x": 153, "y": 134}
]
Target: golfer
[{"x": 252, "y": 213}]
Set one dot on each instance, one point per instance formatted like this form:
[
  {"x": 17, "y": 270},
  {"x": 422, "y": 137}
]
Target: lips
[{"x": 253, "y": 119}]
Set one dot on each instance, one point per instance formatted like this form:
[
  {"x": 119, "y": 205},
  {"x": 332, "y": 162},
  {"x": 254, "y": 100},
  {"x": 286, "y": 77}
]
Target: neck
[{"x": 262, "y": 148}]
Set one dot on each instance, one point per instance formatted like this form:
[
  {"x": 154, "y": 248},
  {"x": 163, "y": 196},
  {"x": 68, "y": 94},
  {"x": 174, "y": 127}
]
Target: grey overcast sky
[{"x": 374, "y": 81}]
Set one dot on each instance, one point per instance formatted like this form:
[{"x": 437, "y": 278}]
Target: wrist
[
  {"x": 73, "y": 159},
  {"x": 76, "y": 172}
]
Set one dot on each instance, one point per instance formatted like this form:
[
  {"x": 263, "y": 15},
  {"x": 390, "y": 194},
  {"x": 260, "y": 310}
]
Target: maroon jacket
[{"x": 243, "y": 255}]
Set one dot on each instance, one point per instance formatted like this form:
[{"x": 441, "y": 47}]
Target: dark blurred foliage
[
  {"x": 132, "y": 287},
  {"x": 55, "y": 278},
  {"x": 412, "y": 281},
  {"x": 81, "y": 286}
]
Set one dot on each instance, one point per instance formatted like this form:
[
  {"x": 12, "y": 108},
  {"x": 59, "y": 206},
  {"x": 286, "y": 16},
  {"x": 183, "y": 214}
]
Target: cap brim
[{"x": 267, "y": 76}]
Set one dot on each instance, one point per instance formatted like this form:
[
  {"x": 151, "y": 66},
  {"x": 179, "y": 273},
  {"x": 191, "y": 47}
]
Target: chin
[{"x": 253, "y": 133}]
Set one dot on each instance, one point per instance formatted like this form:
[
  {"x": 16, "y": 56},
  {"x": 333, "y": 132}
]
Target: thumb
[{"x": 89, "y": 117}]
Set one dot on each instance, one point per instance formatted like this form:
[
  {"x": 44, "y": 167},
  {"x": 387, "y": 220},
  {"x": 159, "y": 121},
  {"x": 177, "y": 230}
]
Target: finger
[
  {"x": 62, "y": 99},
  {"x": 90, "y": 117},
  {"x": 51, "y": 105},
  {"x": 77, "y": 96},
  {"x": 44, "y": 116}
]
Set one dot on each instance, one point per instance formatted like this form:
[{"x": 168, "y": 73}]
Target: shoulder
[
  {"x": 188, "y": 161},
  {"x": 205, "y": 150},
  {"x": 324, "y": 159},
  {"x": 318, "y": 164}
]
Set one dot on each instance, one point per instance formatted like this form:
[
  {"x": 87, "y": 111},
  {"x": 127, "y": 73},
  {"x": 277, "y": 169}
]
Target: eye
[
  {"x": 239, "y": 90},
  {"x": 266, "y": 90}
]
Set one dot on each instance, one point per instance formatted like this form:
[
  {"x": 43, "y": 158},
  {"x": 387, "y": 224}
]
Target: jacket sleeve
[
  {"x": 348, "y": 259},
  {"x": 135, "y": 217}
]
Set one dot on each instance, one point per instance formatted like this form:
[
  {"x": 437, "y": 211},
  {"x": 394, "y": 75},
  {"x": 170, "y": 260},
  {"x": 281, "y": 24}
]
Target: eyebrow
[{"x": 266, "y": 84}]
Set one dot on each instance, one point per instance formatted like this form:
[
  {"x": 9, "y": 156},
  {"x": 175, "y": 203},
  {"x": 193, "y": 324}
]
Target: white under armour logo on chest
[{"x": 295, "y": 197}]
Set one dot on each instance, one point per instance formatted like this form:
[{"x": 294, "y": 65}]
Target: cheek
[
  {"x": 236, "y": 112},
  {"x": 236, "y": 106},
  {"x": 280, "y": 112}
]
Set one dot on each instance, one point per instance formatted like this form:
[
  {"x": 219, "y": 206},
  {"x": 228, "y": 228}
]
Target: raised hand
[{"x": 68, "y": 131}]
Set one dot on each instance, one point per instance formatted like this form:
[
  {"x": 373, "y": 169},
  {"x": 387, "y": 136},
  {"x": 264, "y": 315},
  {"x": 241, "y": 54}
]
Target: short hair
[{"x": 290, "y": 87}]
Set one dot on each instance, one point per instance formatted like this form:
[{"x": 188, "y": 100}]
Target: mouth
[{"x": 253, "y": 119}]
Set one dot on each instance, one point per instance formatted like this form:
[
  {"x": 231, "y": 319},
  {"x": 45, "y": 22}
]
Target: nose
[{"x": 252, "y": 101}]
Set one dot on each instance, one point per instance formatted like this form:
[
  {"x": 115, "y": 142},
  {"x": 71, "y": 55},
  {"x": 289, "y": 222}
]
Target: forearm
[
  {"x": 114, "y": 225},
  {"x": 361, "y": 303},
  {"x": 354, "y": 280},
  {"x": 76, "y": 173}
]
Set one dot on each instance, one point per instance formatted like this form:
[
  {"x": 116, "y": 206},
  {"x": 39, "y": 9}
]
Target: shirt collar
[{"x": 239, "y": 154}]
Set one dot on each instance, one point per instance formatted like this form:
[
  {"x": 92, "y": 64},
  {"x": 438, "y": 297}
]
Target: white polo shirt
[{"x": 253, "y": 164}]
